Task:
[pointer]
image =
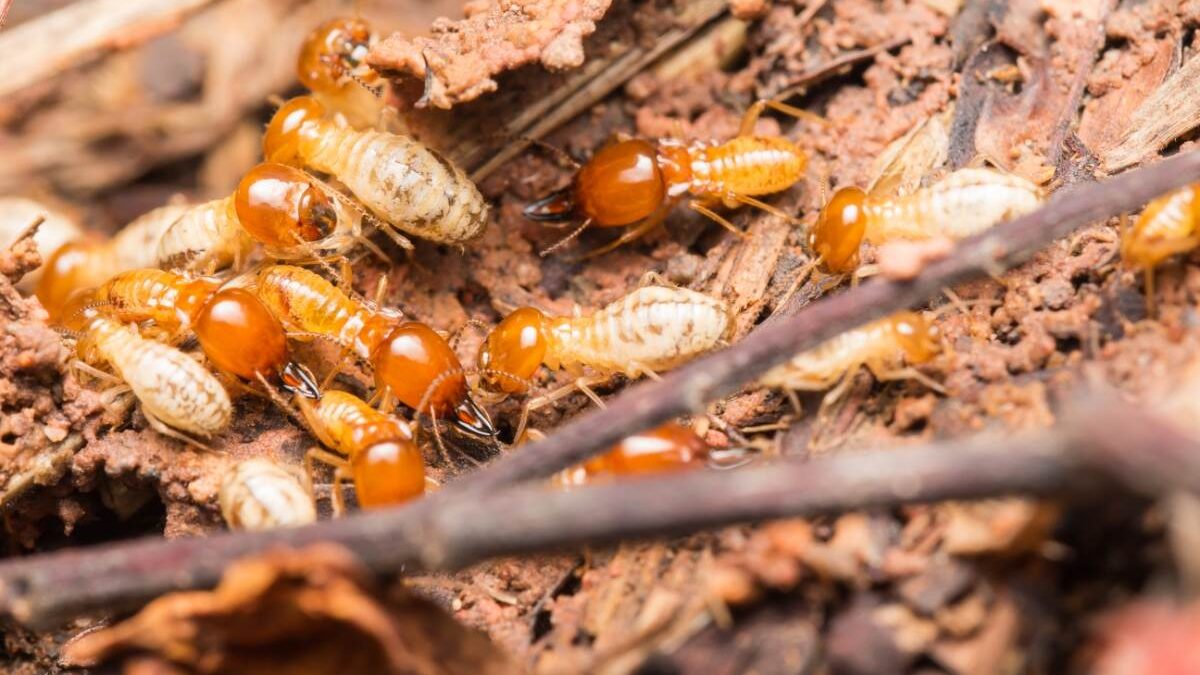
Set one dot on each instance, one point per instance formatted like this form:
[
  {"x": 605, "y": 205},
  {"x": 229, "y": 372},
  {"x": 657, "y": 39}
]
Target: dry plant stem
[
  {"x": 821, "y": 72},
  {"x": 689, "y": 389},
  {"x": 51, "y": 588},
  {"x": 40, "y": 49}
]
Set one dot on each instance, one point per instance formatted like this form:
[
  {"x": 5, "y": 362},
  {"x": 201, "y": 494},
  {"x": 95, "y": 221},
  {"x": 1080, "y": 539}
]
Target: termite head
[
  {"x": 332, "y": 51},
  {"x": 295, "y": 120},
  {"x": 279, "y": 205},
  {"x": 513, "y": 351},
  {"x": 839, "y": 230},
  {"x": 67, "y": 270},
  {"x": 418, "y": 366},
  {"x": 388, "y": 468},
  {"x": 620, "y": 185},
  {"x": 916, "y": 336},
  {"x": 241, "y": 336}
]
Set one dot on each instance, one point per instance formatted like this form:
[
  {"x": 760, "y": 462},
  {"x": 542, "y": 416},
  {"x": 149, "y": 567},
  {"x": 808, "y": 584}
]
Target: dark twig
[
  {"x": 54, "y": 587},
  {"x": 821, "y": 72}
]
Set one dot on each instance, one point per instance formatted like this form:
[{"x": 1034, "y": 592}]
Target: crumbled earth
[{"x": 947, "y": 588}]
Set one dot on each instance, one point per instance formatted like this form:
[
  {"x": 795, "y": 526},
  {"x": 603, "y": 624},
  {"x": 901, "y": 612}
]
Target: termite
[
  {"x": 375, "y": 450},
  {"x": 176, "y": 392},
  {"x": 206, "y": 237},
  {"x": 1166, "y": 227},
  {"x": 85, "y": 264},
  {"x": 259, "y": 494},
  {"x": 402, "y": 182},
  {"x": 962, "y": 204},
  {"x": 237, "y": 332},
  {"x": 635, "y": 183},
  {"x": 410, "y": 360},
  {"x": 667, "y": 448},
  {"x": 331, "y": 67},
  {"x": 889, "y": 348},
  {"x": 652, "y": 329}
]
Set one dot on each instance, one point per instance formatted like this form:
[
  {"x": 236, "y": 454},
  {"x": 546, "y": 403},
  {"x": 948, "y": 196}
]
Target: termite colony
[{"x": 189, "y": 304}]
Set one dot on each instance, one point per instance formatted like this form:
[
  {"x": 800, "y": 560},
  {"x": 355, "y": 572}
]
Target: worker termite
[
  {"x": 175, "y": 391},
  {"x": 375, "y": 450},
  {"x": 1166, "y": 227},
  {"x": 410, "y": 360},
  {"x": 259, "y": 494},
  {"x": 206, "y": 237},
  {"x": 237, "y": 332},
  {"x": 403, "y": 183},
  {"x": 667, "y": 448},
  {"x": 962, "y": 204},
  {"x": 86, "y": 264},
  {"x": 652, "y": 329},
  {"x": 331, "y": 66},
  {"x": 884, "y": 347},
  {"x": 636, "y": 183}
]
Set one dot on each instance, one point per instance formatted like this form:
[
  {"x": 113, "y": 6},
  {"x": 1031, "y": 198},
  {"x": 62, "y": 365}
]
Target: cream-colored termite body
[
  {"x": 884, "y": 347},
  {"x": 399, "y": 180},
  {"x": 962, "y": 204},
  {"x": 173, "y": 388},
  {"x": 653, "y": 328},
  {"x": 206, "y": 237},
  {"x": 259, "y": 494}
]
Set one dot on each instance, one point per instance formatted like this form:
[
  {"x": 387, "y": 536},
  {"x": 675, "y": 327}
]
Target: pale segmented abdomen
[
  {"x": 305, "y": 302},
  {"x": 258, "y": 494},
  {"x": 136, "y": 245},
  {"x": 653, "y": 328},
  {"x": 402, "y": 182},
  {"x": 138, "y": 295},
  {"x": 170, "y": 385},
  {"x": 336, "y": 416},
  {"x": 206, "y": 237},
  {"x": 747, "y": 165},
  {"x": 964, "y": 203}
]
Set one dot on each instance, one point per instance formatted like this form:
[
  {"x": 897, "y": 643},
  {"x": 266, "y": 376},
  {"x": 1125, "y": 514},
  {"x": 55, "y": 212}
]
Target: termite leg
[
  {"x": 162, "y": 428},
  {"x": 759, "y": 204},
  {"x": 340, "y": 469},
  {"x": 581, "y": 383},
  {"x": 906, "y": 374},
  {"x": 584, "y": 385},
  {"x": 96, "y": 372},
  {"x": 633, "y": 233},
  {"x": 755, "y": 111},
  {"x": 718, "y": 218}
]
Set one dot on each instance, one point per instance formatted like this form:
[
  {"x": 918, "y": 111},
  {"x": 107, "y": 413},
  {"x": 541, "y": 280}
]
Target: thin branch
[
  {"x": 823, "y": 71},
  {"x": 688, "y": 389},
  {"x": 46, "y": 589}
]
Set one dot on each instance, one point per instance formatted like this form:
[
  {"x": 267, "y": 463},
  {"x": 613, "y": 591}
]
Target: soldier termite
[
  {"x": 176, "y": 392},
  {"x": 654, "y": 328},
  {"x": 1166, "y": 227},
  {"x": 635, "y": 183},
  {"x": 411, "y": 361},
  {"x": 237, "y": 332},
  {"x": 377, "y": 451},
  {"x": 88, "y": 263},
  {"x": 259, "y": 494},
  {"x": 402, "y": 182},
  {"x": 888, "y": 348}
]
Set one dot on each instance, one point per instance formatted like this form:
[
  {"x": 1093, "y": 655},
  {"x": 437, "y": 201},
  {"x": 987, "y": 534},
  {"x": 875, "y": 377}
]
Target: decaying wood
[
  {"x": 1171, "y": 111},
  {"x": 482, "y": 147},
  {"x": 475, "y": 517},
  {"x": 464, "y": 56},
  {"x": 40, "y": 49}
]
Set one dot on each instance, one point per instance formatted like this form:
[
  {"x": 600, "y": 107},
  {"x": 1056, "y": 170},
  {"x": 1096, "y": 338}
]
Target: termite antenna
[{"x": 566, "y": 240}]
